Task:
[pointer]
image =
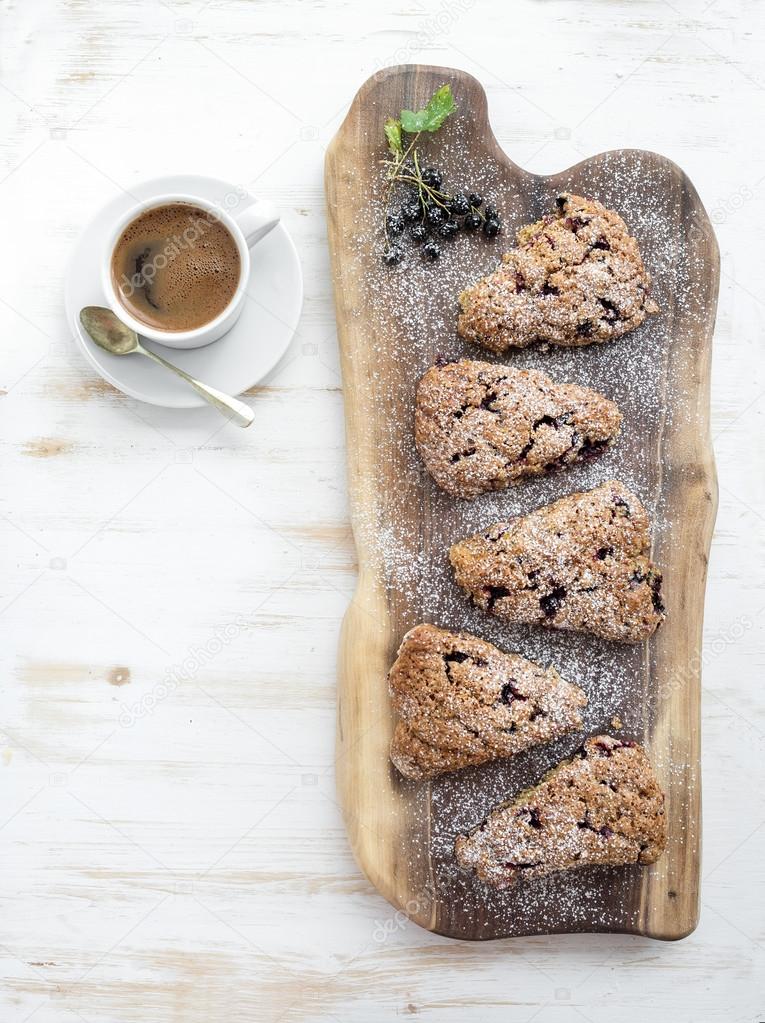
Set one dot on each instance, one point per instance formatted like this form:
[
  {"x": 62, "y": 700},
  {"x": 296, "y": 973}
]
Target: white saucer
[{"x": 242, "y": 357}]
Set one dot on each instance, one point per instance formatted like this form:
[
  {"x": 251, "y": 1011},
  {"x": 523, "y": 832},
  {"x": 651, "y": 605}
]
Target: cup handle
[{"x": 256, "y": 221}]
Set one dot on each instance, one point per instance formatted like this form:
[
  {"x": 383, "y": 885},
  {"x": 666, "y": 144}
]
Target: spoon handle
[{"x": 240, "y": 413}]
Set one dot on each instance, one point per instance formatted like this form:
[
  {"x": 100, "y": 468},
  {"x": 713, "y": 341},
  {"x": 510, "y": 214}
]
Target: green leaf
[
  {"x": 393, "y": 135},
  {"x": 441, "y": 104}
]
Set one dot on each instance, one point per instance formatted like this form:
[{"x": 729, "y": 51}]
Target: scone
[
  {"x": 481, "y": 426},
  {"x": 581, "y": 563},
  {"x": 603, "y": 806},
  {"x": 462, "y": 702},
  {"x": 576, "y": 277}
]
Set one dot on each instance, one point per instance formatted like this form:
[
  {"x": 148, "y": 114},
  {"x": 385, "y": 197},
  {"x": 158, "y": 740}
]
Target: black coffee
[{"x": 175, "y": 267}]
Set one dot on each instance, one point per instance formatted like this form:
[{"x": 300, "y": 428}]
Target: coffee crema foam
[{"x": 175, "y": 267}]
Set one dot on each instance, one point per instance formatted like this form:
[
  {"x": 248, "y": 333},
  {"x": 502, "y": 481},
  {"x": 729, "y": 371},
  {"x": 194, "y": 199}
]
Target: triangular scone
[
  {"x": 462, "y": 702},
  {"x": 480, "y": 426},
  {"x": 581, "y": 563},
  {"x": 603, "y": 806},
  {"x": 575, "y": 278}
]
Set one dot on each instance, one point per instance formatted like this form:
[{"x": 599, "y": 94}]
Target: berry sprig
[{"x": 427, "y": 208}]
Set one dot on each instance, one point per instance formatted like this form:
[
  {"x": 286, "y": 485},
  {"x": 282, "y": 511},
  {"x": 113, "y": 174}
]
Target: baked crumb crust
[
  {"x": 461, "y": 701},
  {"x": 581, "y": 563},
  {"x": 576, "y": 277},
  {"x": 480, "y": 426},
  {"x": 602, "y": 806}
]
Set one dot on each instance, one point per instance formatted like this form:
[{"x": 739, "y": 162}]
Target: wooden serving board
[{"x": 392, "y": 322}]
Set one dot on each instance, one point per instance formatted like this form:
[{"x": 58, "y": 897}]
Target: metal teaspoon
[{"x": 113, "y": 336}]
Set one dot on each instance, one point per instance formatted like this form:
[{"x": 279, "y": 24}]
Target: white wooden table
[{"x": 172, "y": 587}]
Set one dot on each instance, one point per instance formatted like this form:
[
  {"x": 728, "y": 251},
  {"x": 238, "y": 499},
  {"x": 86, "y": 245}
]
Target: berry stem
[
  {"x": 403, "y": 167},
  {"x": 393, "y": 177}
]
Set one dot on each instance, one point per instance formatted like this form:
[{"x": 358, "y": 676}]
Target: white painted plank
[{"x": 172, "y": 846}]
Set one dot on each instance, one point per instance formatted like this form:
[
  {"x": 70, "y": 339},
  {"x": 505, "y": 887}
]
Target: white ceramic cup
[{"x": 246, "y": 228}]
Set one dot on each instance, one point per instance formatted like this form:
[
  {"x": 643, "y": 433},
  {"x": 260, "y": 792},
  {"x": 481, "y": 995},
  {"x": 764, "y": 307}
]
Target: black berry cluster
[{"x": 428, "y": 215}]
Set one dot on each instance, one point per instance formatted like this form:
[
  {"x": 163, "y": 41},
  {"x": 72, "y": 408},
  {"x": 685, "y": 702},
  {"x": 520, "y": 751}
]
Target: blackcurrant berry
[
  {"x": 432, "y": 177},
  {"x": 395, "y": 223},
  {"x": 491, "y": 227},
  {"x": 449, "y": 229},
  {"x": 472, "y": 222},
  {"x": 410, "y": 211},
  {"x": 435, "y": 215},
  {"x": 460, "y": 204},
  {"x": 418, "y": 233},
  {"x": 490, "y": 213},
  {"x": 431, "y": 251},
  {"x": 475, "y": 199},
  {"x": 392, "y": 256}
]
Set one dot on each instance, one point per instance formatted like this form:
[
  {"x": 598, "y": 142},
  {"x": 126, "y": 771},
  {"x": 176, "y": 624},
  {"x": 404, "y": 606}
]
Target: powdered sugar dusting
[{"x": 404, "y": 532}]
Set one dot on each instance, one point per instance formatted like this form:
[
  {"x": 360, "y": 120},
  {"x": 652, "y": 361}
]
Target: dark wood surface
[{"x": 391, "y": 325}]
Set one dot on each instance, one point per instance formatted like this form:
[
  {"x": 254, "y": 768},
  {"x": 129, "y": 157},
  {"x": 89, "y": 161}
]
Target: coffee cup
[{"x": 193, "y": 260}]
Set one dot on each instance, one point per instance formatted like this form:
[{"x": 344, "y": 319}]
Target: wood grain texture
[
  {"x": 284, "y": 928},
  {"x": 392, "y": 824}
]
